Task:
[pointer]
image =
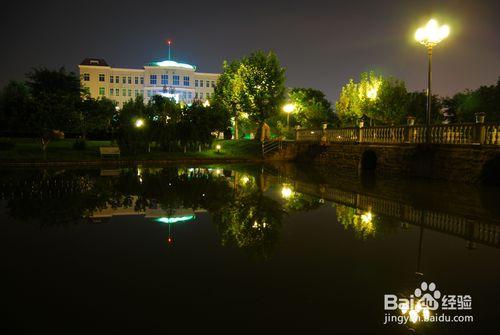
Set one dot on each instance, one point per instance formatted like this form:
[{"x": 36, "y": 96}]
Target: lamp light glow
[
  {"x": 175, "y": 219},
  {"x": 139, "y": 123},
  {"x": 289, "y": 108},
  {"x": 171, "y": 63},
  {"x": 286, "y": 192},
  {"x": 432, "y": 33}
]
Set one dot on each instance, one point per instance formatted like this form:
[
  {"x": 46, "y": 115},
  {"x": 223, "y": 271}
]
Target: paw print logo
[{"x": 428, "y": 295}]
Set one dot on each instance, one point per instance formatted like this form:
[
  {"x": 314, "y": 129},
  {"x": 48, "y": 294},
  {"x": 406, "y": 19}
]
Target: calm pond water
[{"x": 241, "y": 249}]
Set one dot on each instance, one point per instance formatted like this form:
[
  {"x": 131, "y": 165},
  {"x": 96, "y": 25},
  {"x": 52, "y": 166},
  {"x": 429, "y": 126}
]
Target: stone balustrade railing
[{"x": 465, "y": 133}]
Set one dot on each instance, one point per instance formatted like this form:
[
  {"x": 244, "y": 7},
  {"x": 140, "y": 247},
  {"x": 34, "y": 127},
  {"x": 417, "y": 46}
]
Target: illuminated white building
[{"x": 167, "y": 78}]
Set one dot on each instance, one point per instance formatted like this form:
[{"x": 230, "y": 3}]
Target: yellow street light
[
  {"x": 206, "y": 103},
  {"x": 286, "y": 192},
  {"x": 430, "y": 36},
  {"x": 371, "y": 94},
  {"x": 288, "y": 108},
  {"x": 139, "y": 123},
  {"x": 218, "y": 147},
  {"x": 432, "y": 33}
]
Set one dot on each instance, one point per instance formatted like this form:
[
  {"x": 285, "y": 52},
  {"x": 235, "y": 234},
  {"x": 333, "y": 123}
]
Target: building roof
[
  {"x": 94, "y": 62},
  {"x": 171, "y": 63}
]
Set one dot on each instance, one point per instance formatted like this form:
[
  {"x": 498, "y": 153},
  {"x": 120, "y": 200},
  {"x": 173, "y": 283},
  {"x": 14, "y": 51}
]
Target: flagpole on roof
[{"x": 169, "y": 43}]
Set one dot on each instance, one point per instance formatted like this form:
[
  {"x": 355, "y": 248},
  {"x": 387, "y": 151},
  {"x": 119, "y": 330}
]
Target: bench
[{"x": 109, "y": 151}]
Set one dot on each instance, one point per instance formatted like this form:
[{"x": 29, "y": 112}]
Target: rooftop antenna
[{"x": 169, "y": 43}]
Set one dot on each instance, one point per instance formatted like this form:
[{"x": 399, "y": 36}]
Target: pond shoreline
[{"x": 128, "y": 162}]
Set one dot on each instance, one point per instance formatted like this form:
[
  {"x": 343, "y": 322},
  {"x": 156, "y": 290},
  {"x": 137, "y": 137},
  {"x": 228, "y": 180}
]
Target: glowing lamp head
[
  {"x": 206, "y": 103},
  {"x": 286, "y": 192},
  {"x": 372, "y": 93},
  {"x": 289, "y": 108},
  {"x": 139, "y": 123},
  {"x": 432, "y": 33},
  {"x": 367, "y": 217},
  {"x": 218, "y": 147}
]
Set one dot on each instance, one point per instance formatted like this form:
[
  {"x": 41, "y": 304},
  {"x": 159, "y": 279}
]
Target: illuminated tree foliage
[
  {"x": 250, "y": 221},
  {"x": 253, "y": 85},
  {"x": 485, "y": 99},
  {"x": 311, "y": 108},
  {"x": 374, "y": 97}
]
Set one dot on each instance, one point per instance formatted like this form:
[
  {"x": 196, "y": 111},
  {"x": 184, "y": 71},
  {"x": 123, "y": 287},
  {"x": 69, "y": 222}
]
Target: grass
[{"x": 28, "y": 150}]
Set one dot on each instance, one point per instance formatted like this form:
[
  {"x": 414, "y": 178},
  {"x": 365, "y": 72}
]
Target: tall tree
[
  {"x": 389, "y": 105},
  {"x": 375, "y": 97},
  {"x": 56, "y": 100},
  {"x": 260, "y": 85},
  {"x": 311, "y": 107},
  {"x": 96, "y": 115},
  {"x": 485, "y": 99},
  {"x": 254, "y": 86},
  {"x": 416, "y": 106},
  {"x": 15, "y": 107},
  {"x": 226, "y": 94},
  {"x": 349, "y": 104}
]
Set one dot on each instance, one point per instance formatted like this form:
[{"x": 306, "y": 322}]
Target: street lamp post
[
  {"x": 288, "y": 108},
  {"x": 430, "y": 36}
]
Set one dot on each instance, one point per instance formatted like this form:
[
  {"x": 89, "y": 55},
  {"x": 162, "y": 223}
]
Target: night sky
[{"x": 320, "y": 43}]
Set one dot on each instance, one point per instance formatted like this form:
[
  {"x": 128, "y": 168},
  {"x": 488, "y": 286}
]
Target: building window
[
  {"x": 196, "y": 95},
  {"x": 190, "y": 95},
  {"x": 152, "y": 79},
  {"x": 208, "y": 84},
  {"x": 213, "y": 83},
  {"x": 142, "y": 80},
  {"x": 196, "y": 83},
  {"x": 129, "y": 92},
  {"x": 136, "y": 92},
  {"x": 86, "y": 77},
  {"x": 101, "y": 90},
  {"x": 129, "y": 80},
  {"x": 117, "y": 92},
  {"x": 124, "y": 92},
  {"x": 175, "y": 80},
  {"x": 111, "y": 79},
  {"x": 164, "y": 79},
  {"x": 186, "y": 81},
  {"x": 136, "y": 80},
  {"x": 124, "y": 80},
  {"x": 101, "y": 77},
  {"x": 111, "y": 91},
  {"x": 149, "y": 93},
  {"x": 201, "y": 95},
  {"x": 208, "y": 95},
  {"x": 117, "y": 79},
  {"x": 201, "y": 83}
]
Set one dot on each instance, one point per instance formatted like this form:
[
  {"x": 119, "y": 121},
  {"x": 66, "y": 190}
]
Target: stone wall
[{"x": 446, "y": 162}]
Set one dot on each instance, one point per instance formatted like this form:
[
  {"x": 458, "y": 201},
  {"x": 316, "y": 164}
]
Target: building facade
[{"x": 168, "y": 78}]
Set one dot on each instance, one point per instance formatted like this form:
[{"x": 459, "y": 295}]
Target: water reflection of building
[{"x": 152, "y": 212}]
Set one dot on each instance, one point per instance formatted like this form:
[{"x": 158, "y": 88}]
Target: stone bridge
[{"x": 461, "y": 152}]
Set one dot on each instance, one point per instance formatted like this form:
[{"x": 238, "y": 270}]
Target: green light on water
[{"x": 176, "y": 219}]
